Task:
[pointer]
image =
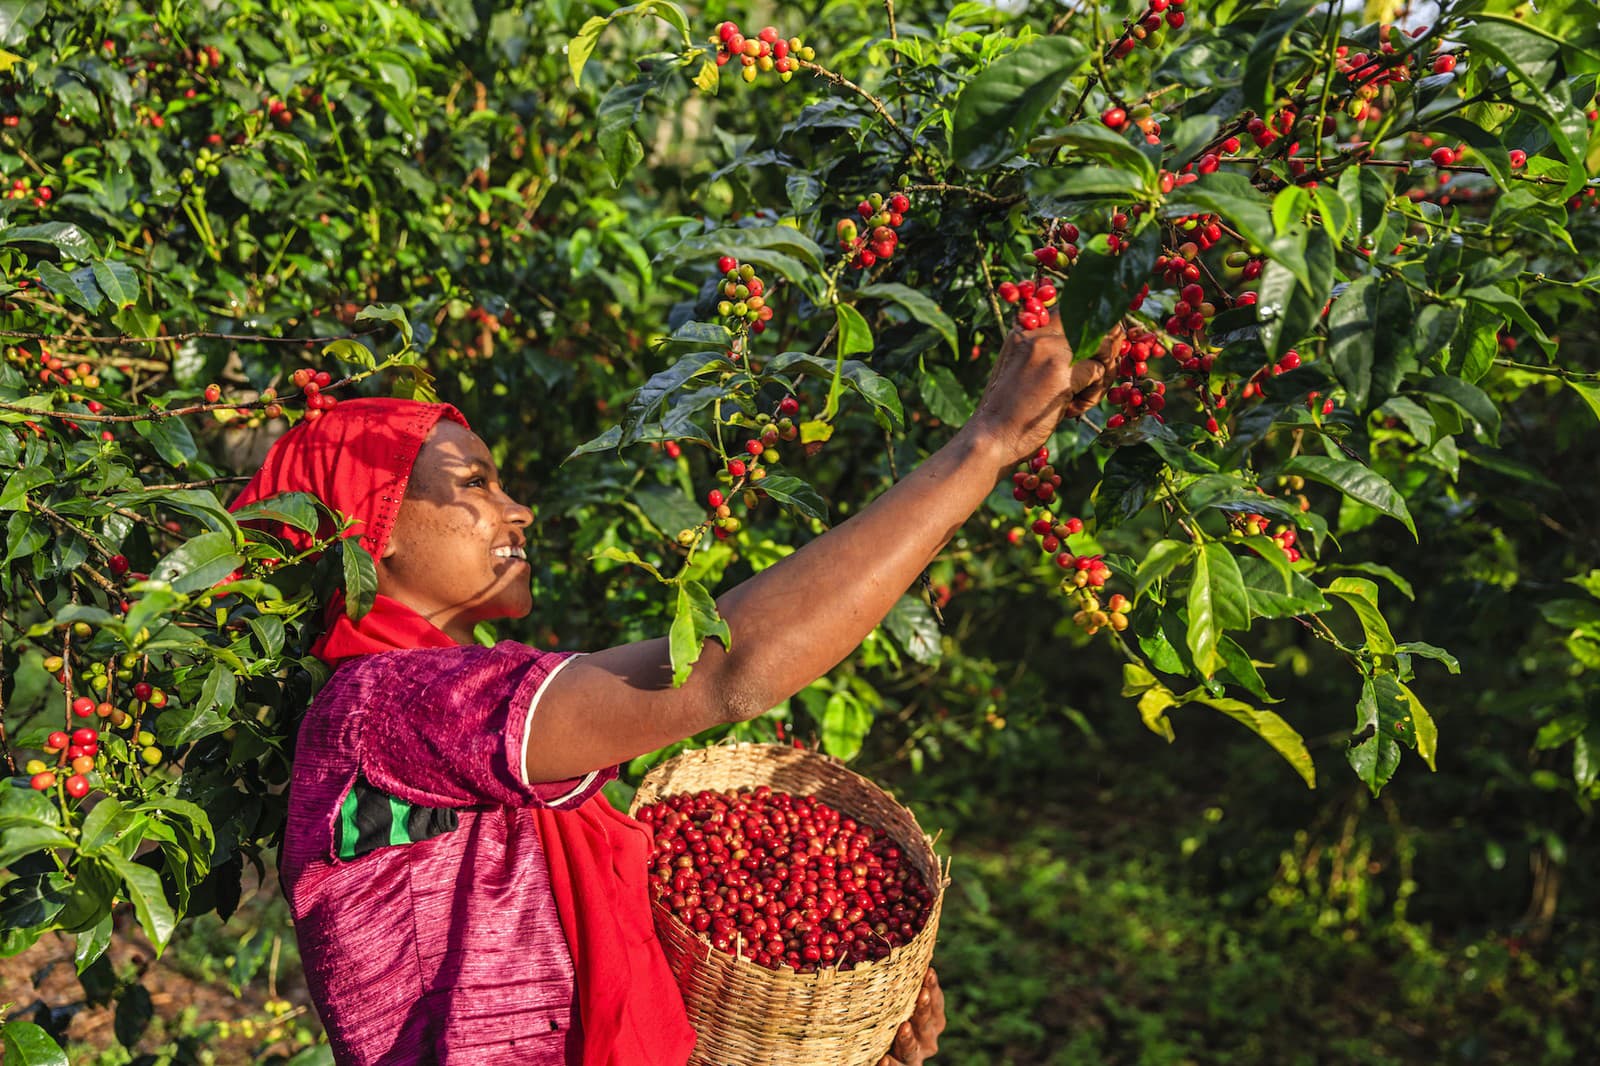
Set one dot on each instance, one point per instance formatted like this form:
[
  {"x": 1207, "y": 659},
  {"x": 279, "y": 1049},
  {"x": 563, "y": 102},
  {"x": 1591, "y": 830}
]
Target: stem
[
  {"x": 1553, "y": 371},
  {"x": 877, "y": 105},
  {"x": 253, "y": 338},
  {"x": 994, "y": 300},
  {"x": 967, "y": 190}
]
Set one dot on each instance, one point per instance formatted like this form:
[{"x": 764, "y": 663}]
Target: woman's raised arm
[{"x": 800, "y": 617}]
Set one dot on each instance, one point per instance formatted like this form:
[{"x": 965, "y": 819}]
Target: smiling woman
[{"x": 461, "y": 890}]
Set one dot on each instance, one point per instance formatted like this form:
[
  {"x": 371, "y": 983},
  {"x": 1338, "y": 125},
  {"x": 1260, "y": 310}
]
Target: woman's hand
[
  {"x": 918, "y": 1037},
  {"x": 1036, "y": 383}
]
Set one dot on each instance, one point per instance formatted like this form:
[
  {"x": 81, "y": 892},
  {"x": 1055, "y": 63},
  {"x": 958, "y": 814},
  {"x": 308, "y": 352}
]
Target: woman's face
[{"x": 455, "y": 555}]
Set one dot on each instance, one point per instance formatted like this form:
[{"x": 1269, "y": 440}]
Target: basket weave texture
[{"x": 748, "y": 1015}]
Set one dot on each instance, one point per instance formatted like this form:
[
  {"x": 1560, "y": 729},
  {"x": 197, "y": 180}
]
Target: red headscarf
[{"x": 357, "y": 458}]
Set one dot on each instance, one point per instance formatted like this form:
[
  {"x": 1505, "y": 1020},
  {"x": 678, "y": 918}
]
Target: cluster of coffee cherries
[
  {"x": 75, "y": 752},
  {"x": 783, "y": 880},
  {"x": 873, "y": 237},
  {"x": 1280, "y": 533},
  {"x": 1136, "y": 392},
  {"x": 1036, "y": 299},
  {"x": 766, "y": 51},
  {"x": 742, "y": 299},
  {"x": 1148, "y": 28},
  {"x": 1083, "y": 571},
  {"x": 310, "y": 383},
  {"x": 1142, "y": 116},
  {"x": 742, "y": 475},
  {"x": 1256, "y": 385},
  {"x": 1035, "y": 480},
  {"x": 24, "y": 189},
  {"x": 1092, "y": 616}
]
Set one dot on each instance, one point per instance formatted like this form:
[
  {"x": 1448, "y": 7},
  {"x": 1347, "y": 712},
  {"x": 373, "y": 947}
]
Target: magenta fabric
[{"x": 449, "y": 950}]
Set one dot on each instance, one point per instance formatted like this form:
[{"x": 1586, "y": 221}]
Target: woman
[{"x": 461, "y": 891}]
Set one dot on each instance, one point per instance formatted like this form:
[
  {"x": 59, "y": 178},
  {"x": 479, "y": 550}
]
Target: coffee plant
[{"x": 701, "y": 316}]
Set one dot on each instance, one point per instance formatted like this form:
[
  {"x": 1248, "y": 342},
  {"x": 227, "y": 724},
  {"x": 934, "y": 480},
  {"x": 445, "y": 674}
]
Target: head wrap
[{"x": 357, "y": 458}]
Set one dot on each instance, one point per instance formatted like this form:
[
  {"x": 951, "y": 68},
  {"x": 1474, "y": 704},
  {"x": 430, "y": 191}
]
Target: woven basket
[{"x": 748, "y": 1015}]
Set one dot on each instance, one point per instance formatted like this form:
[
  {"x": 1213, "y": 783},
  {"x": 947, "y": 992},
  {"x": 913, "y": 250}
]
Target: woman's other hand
[{"x": 918, "y": 1037}]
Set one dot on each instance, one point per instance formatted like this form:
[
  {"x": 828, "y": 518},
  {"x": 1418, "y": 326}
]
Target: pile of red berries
[
  {"x": 77, "y": 751},
  {"x": 783, "y": 880},
  {"x": 880, "y": 217},
  {"x": 742, "y": 299},
  {"x": 1281, "y": 534},
  {"x": 766, "y": 51}
]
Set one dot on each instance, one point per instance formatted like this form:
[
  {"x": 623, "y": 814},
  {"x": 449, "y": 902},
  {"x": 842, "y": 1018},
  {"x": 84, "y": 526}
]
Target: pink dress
[{"x": 417, "y": 881}]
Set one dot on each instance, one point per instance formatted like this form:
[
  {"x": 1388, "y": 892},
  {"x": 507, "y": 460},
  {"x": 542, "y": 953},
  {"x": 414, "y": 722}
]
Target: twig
[
  {"x": 255, "y": 338},
  {"x": 877, "y": 105},
  {"x": 1553, "y": 371},
  {"x": 967, "y": 190}
]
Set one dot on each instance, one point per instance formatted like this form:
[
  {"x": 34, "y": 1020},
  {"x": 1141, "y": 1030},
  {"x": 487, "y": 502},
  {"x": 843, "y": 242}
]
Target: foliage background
[{"x": 1117, "y": 899}]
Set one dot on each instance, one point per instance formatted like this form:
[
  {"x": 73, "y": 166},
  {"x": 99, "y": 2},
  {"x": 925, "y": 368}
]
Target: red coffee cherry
[
  {"x": 56, "y": 741},
  {"x": 118, "y": 565},
  {"x": 42, "y": 782},
  {"x": 1444, "y": 64},
  {"x": 142, "y": 691},
  {"x": 85, "y": 735},
  {"x": 77, "y": 786},
  {"x": 213, "y": 393},
  {"x": 83, "y": 706},
  {"x": 1443, "y": 156}
]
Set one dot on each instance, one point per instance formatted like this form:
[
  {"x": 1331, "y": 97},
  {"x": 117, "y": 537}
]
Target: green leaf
[
  {"x": 1470, "y": 401},
  {"x": 1360, "y": 483},
  {"x": 795, "y": 493},
  {"x": 997, "y": 111},
  {"x": 1242, "y": 669},
  {"x": 855, "y": 337},
  {"x": 654, "y": 392},
  {"x": 872, "y": 386},
  {"x": 64, "y": 237},
  {"x": 1094, "y": 140},
  {"x": 1362, "y": 596},
  {"x": 845, "y": 724},
  {"x": 1429, "y": 651},
  {"x": 78, "y": 286},
  {"x": 1268, "y": 726},
  {"x": 915, "y": 628},
  {"x": 25, "y": 1044},
  {"x": 1163, "y": 557},
  {"x": 695, "y": 619},
  {"x": 1217, "y": 601},
  {"x": 298, "y": 510},
  {"x": 1396, "y": 717},
  {"x": 100, "y": 828},
  {"x": 582, "y": 46},
  {"x": 1589, "y": 392},
  {"x": 1259, "y": 87},
  {"x": 921, "y": 307},
  {"x": 1054, "y": 190},
  {"x": 171, "y": 439},
  {"x": 1272, "y": 593},
  {"x": 390, "y": 313},
  {"x": 143, "y": 888},
  {"x": 199, "y": 563},
  {"x": 1387, "y": 573},
  {"x": 1510, "y": 308},
  {"x": 91, "y": 944},
  {"x": 360, "y": 578},
  {"x": 25, "y": 840},
  {"x": 352, "y": 352},
  {"x": 946, "y": 400},
  {"x": 1154, "y": 699},
  {"x": 1102, "y": 286},
  {"x": 1233, "y": 197},
  {"x": 117, "y": 280}
]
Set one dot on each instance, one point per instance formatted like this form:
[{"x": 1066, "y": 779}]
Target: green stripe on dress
[
  {"x": 399, "y": 821},
  {"x": 348, "y": 832}
]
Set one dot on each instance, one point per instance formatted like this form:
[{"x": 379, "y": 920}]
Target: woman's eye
[{"x": 471, "y": 482}]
